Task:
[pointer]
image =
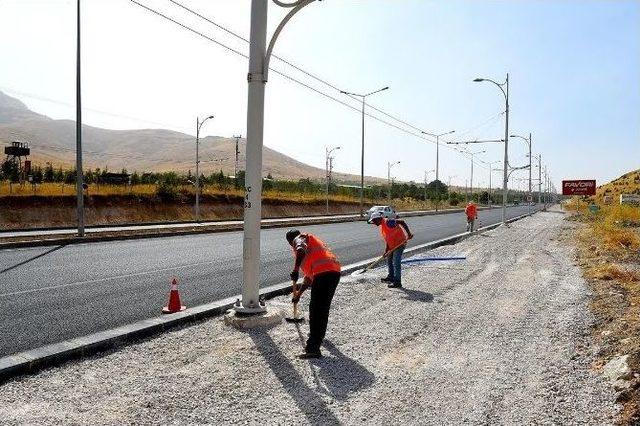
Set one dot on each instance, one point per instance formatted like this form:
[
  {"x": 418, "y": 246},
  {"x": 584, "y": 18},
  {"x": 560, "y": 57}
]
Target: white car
[{"x": 387, "y": 211}]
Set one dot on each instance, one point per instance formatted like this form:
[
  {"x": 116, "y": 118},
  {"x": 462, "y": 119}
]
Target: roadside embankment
[
  {"x": 60, "y": 211},
  {"x": 502, "y": 337},
  {"x": 608, "y": 244}
]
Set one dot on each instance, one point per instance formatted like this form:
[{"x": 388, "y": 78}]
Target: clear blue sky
[{"x": 574, "y": 71}]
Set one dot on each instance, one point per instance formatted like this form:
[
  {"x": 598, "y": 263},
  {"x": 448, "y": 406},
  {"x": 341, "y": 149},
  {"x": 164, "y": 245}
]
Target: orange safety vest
[
  {"x": 472, "y": 211},
  {"x": 393, "y": 236},
  {"x": 318, "y": 258}
]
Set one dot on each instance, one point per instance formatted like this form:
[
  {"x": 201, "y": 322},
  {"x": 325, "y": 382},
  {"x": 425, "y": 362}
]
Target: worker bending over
[
  {"x": 395, "y": 234},
  {"x": 472, "y": 214},
  {"x": 321, "y": 271}
]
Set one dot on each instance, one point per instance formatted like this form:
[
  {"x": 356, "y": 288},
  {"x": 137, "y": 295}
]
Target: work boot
[
  {"x": 386, "y": 279},
  {"x": 310, "y": 355},
  {"x": 394, "y": 285}
]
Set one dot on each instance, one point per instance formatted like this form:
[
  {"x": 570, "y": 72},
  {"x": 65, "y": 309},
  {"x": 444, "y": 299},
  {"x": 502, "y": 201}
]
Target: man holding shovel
[
  {"x": 321, "y": 271},
  {"x": 395, "y": 234}
]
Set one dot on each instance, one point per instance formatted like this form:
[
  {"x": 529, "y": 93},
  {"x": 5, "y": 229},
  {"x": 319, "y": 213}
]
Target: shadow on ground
[{"x": 335, "y": 375}]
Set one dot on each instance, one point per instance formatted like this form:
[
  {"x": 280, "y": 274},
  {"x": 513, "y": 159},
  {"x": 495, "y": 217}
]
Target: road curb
[
  {"x": 34, "y": 360},
  {"x": 210, "y": 229}
]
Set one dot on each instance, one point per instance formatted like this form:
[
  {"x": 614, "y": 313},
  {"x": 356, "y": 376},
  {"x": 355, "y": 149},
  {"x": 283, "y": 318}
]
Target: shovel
[
  {"x": 295, "y": 318},
  {"x": 375, "y": 262}
]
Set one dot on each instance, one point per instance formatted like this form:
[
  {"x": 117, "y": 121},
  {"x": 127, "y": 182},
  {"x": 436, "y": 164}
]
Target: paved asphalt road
[{"x": 50, "y": 294}]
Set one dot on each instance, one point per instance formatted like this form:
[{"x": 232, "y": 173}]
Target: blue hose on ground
[{"x": 433, "y": 259}]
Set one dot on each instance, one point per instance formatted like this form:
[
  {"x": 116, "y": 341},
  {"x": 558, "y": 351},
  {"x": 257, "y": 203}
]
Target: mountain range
[{"x": 140, "y": 150}]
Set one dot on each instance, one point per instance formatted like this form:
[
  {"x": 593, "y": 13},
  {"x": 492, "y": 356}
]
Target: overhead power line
[{"x": 282, "y": 74}]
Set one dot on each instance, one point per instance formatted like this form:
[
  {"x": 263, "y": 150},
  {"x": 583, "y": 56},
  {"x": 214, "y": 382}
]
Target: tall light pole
[
  {"x": 257, "y": 77},
  {"x": 528, "y": 141},
  {"x": 79, "y": 171},
  {"x": 505, "y": 178},
  {"x": 426, "y": 174},
  {"x": 389, "y": 166},
  {"x": 237, "y": 155},
  {"x": 437, "y": 136},
  {"x": 198, "y": 126},
  {"x": 363, "y": 97},
  {"x": 491, "y": 163},
  {"x": 472, "y": 154},
  {"x": 328, "y": 170}
]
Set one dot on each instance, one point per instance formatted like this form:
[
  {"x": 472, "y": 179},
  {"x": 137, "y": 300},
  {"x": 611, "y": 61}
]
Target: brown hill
[
  {"x": 142, "y": 150},
  {"x": 628, "y": 183}
]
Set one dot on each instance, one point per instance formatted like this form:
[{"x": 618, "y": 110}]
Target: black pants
[{"x": 322, "y": 290}]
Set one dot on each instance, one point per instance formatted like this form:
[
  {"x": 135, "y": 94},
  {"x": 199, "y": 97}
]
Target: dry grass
[{"x": 609, "y": 252}]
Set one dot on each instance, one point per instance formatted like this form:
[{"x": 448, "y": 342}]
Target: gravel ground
[{"x": 501, "y": 338}]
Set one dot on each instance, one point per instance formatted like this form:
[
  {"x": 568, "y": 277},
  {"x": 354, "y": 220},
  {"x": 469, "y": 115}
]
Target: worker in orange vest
[
  {"x": 472, "y": 214},
  {"x": 321, "y": 271},
  {"x": 395, "y": 234}
]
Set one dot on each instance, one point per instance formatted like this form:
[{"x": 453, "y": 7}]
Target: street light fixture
[
  {"x": 328, "y": 166},
  {"x": 389, "y": 166},
  {"x": 437, "y": 136},
  {"x": 362, "y": 148},
  {"x": 506, "y": 141},
  {"x": 257, "y": 77},
  {"x": 198, "y": 126}
]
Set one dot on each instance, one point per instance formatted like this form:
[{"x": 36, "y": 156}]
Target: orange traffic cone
[{"x": 174, "y": 300}]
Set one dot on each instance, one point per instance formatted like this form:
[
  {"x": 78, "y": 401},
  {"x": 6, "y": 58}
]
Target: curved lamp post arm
[
  {"x": 494, "y": 82},
  {"x": 296, "y": 8},
  {"x": 521, "y": 137}
]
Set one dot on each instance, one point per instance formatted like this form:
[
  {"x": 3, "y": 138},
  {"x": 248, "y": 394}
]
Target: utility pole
[
  {"x": 389, "y": 165},
  {"x": 363, "y": 97},
  {"x": 437, "y": 136},
  {"x": 530, "y": 196},
  {"x": 235, "y": 167},
  {"x": 198, "y": 126},
  {"x": 79, "y": 170},
  {"x": 472, "y": 154},
  {"x": 328, "y": 166},
  {"x": 257, "y": 77},
  {"x": 505, "y": 179}
]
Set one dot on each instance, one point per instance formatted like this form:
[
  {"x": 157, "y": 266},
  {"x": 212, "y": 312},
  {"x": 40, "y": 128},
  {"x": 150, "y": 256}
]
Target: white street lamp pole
[
  {"x": 79, "y": 169},
  {"x": 257, "y": 78},
  {"x": 437, "y": 136},
  {"x": 505, "y": 180},
  {"x": 389, "y": 166},
  {"x": 529, "y": 143},
  {"x": 363, "y": 97},
  {"x": 328, "y": 170},
  {"x": 198, "y": 127}
]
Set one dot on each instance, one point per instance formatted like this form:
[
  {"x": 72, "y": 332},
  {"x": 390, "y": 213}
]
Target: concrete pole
[
  {"x": 490, "y": 188},
  {"x": 235, "y": 167},
  {"x": 540, "y": 179},
  {"x": 389, "y": 181},
  {"x": 253, "y": 175},
  {"x": 362, "y": 165},
  {"x": 79, "y": 170},
  {"x": 471, "y": 180},
  {"x": 506, "y": 156},
  {"x": 197, "y": 169},
  {"x": 530, "y": 196},
  {"x": 437, "y": 172},
  {"x": 327, "y": 175}
]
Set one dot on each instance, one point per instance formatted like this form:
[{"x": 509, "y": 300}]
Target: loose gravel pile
[{"x": 501, "y": 338}]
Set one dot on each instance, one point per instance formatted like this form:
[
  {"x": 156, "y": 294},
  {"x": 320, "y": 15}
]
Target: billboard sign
[{"x": 579, "y": 187}]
